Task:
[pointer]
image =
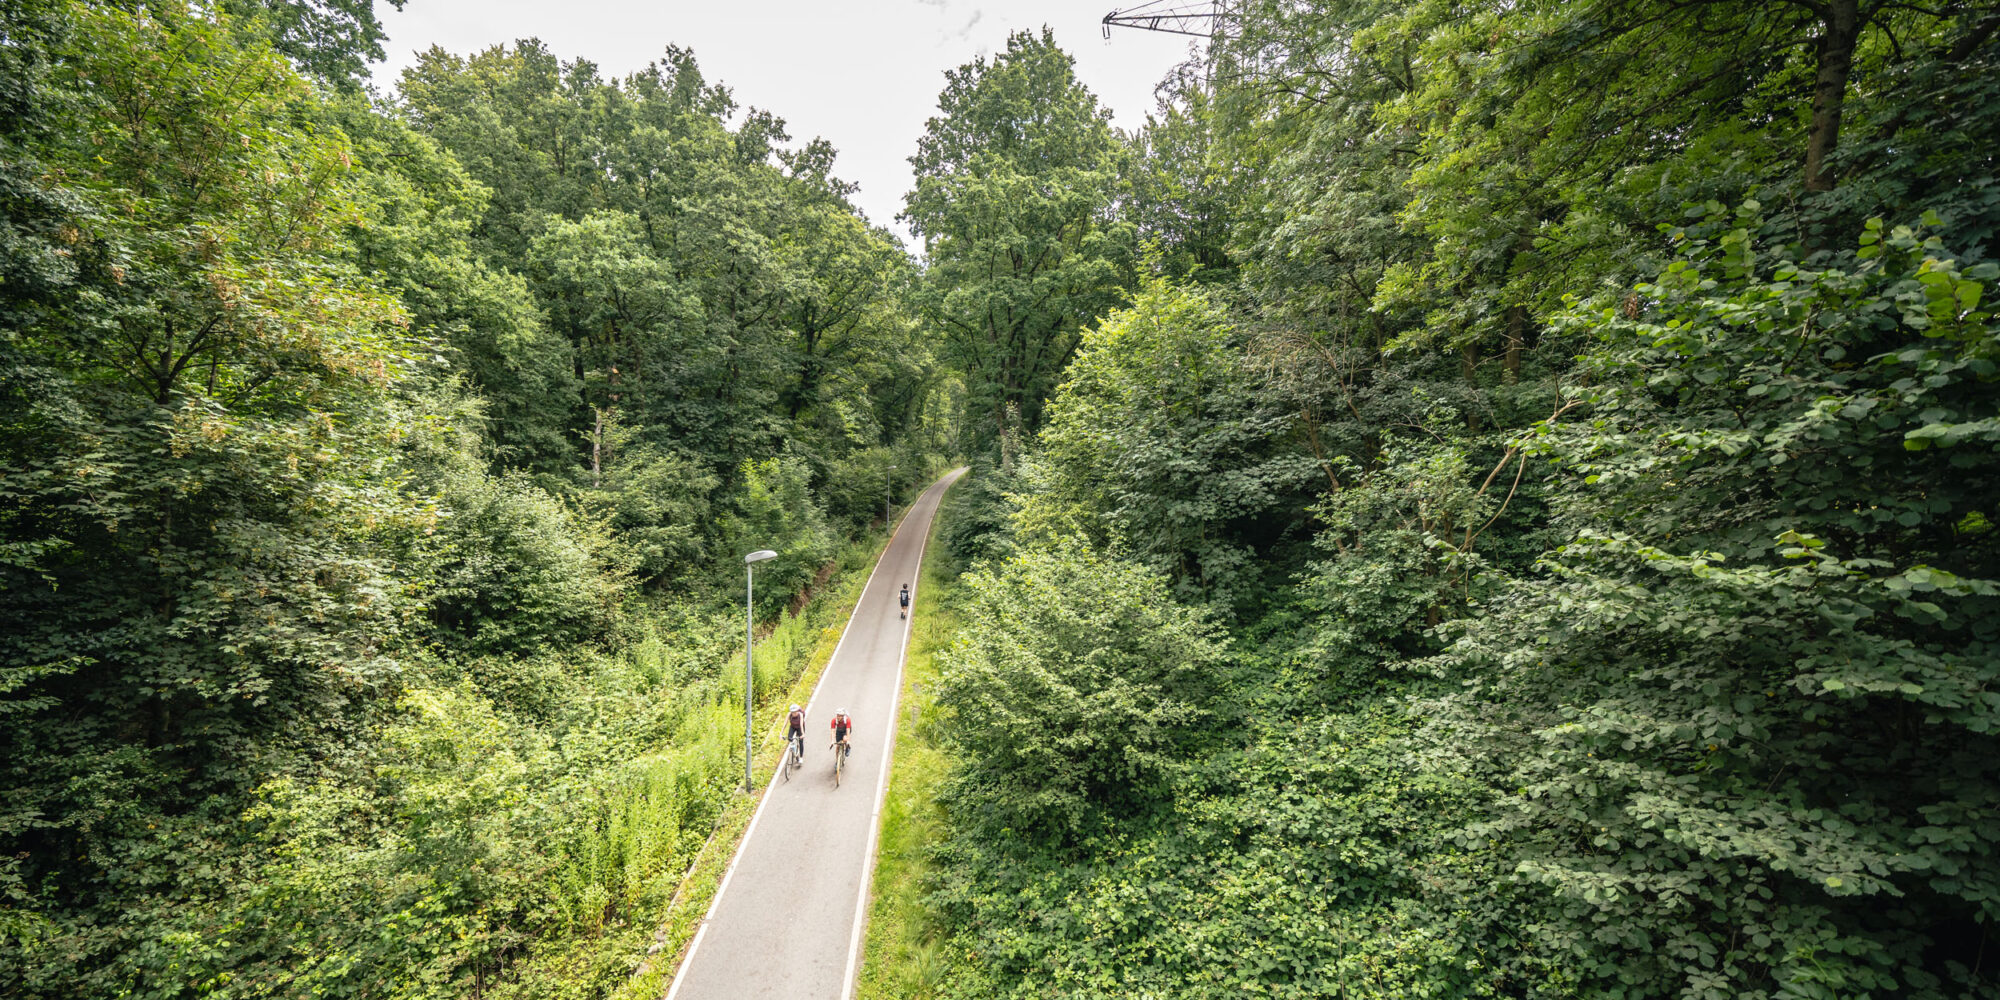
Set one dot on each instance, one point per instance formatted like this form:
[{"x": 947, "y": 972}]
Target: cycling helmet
[
  {"x": 795, "y": 707},
  {"x": 841, "y": 712}
]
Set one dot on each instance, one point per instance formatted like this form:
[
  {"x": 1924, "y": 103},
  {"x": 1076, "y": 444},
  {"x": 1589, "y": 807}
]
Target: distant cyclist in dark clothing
[{"x": 906, "y": 601}]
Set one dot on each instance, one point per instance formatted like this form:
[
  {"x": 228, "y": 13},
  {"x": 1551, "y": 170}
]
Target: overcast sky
[{"x": 865, "y": 74}]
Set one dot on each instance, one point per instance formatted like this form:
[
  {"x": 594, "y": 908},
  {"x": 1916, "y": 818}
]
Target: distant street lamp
[
  {"x": 749, "y": 636},
  {"x": 885, "y": 496}
]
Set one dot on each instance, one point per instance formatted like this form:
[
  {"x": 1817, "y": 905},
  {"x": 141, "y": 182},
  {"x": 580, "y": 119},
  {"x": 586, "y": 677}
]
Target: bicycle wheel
[
  {"x": 839, "y": 758},
  {"x": 785, "y": 766}
]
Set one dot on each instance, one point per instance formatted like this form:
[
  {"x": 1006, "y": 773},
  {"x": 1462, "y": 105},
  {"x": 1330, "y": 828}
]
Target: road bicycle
[
  {"x": 794, "y": 756},
  {"x": 840, "y": 749}
]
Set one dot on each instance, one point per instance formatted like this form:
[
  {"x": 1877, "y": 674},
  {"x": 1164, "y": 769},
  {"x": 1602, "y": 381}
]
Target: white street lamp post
[
  {"x": 749, "y": 637},
  {"x": 885, "y": 497}
]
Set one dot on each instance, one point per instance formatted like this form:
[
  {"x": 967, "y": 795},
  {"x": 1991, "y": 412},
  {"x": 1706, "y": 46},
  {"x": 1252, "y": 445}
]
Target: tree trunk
[
  {"x": 1841, "y": 30},
  {"x": 1973, "y": 39}
]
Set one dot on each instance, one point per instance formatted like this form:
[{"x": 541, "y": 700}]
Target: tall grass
[
  {"x": 520, "y": 827},
  {"x": 657, "y": 810}
]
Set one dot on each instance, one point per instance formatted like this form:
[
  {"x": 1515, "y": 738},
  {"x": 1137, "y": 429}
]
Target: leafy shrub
[
  {"x": 514, "y": 570},
  {"x": 1163, "y": 437},
  {"x": 1076, "y": 687},
  {"x": 858, "y": 484},
  {"x": 1321, "y": 860},
  {"x": 977, "y": 518},
  {"x": 660, "y": 506},
  {"x": 772, "y": 508},
  {"x": 1396, "y": 556}
]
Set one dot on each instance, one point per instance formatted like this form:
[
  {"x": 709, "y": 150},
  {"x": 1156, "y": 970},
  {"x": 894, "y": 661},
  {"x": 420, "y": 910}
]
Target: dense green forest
[
  {"x": 377, "y": 472},
  {"x": 1524, "y": 529},
  {"x": 1473, "y": 498}
]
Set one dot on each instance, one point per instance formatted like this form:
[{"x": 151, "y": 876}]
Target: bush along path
[{"x": 787, "y": 918}]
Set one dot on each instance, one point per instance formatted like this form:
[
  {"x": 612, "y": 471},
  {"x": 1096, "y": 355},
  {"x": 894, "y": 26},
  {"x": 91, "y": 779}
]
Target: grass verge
[{"x": 905, "y": 956}]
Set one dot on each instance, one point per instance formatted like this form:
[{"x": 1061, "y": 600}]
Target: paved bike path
[{"x": 787, "y": 920}]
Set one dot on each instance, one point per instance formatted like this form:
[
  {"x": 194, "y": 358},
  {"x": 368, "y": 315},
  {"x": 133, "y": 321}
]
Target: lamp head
[{"x": 760, "y": 555}]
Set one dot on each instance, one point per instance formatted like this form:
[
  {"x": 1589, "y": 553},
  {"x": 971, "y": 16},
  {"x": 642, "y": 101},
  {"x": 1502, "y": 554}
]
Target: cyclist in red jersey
[{"x": 841, "y": 724}]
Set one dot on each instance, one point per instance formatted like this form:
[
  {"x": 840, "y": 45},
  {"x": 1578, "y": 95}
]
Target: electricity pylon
[{"x": 1202, "y": 20}]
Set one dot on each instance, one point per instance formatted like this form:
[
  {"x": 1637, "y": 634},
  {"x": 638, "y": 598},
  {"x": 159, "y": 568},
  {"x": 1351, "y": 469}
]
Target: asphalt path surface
[{"x": 788, "y": 919}]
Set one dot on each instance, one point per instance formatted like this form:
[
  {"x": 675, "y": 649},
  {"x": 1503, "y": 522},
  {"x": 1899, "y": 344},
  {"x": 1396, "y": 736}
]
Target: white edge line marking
[
  {"x": 855, "y": 937},
  {"x": 687, "y": 960}
]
